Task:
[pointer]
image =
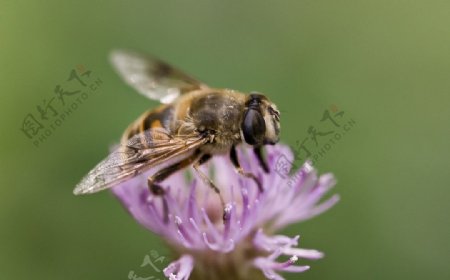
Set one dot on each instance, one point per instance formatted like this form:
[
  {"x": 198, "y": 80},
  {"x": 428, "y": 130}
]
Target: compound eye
[{"x": 253, "y": 127}]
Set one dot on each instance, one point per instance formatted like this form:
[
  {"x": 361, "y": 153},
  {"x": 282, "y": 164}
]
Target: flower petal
[{"x": 180, "y": 269}]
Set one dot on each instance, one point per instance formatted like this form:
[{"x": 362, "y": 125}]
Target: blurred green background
[{"x": 385, "y": 63}]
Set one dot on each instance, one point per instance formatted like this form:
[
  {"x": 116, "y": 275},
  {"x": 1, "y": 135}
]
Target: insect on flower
[
  {"x": 246, "y": 245},
  {"x": 194, "y": 123}
]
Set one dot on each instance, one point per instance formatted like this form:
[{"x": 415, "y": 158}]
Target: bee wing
[
  {"x": 152, "y": 77},
  {"x": 141, "y": 152}
]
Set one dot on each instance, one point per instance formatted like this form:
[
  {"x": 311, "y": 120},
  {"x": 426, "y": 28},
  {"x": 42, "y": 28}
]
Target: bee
[{"x": 193, "y": 123}]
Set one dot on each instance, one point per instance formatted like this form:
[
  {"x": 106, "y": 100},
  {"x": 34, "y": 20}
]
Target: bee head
[{"x": 261, "y": 122}]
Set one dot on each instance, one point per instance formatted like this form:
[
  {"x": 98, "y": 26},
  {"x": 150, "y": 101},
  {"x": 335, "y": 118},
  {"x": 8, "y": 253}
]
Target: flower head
[{"x": 243, "y": 245}]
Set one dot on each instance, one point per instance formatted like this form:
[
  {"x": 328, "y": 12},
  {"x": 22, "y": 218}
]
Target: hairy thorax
[{"x": 214, "y": 112}]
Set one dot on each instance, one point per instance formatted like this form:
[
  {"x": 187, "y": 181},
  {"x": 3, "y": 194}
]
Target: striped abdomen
[{"x": 157, "y": 118}]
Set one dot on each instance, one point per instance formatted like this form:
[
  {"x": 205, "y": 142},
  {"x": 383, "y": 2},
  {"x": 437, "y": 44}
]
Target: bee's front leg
[
  {"x": 258, "y": 152},
  {"x": 235, "y": 161}
]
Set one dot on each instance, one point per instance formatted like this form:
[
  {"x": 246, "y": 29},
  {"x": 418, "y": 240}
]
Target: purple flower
[{"x": 244, "y": 245}]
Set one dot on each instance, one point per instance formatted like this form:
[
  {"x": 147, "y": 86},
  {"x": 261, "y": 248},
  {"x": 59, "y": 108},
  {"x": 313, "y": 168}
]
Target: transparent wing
[
  {"x": 140, "y": 153},
  {"x": 151, "y": 77}
]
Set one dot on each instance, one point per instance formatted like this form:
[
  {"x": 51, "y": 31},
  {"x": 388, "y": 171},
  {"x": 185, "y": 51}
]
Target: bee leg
[
  {"x": 162, "y": 174},
  {"x": 204, "y": 158},
  {"x": 261, "y": 160},
  {"x": 235, "y": 161},
  {"x": 159, "y": 191}
]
